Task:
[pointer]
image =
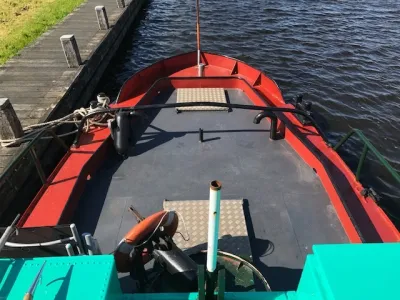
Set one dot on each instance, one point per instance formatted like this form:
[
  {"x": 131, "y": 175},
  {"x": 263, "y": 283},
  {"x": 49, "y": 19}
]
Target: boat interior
[{"x": 286, "y": 208}]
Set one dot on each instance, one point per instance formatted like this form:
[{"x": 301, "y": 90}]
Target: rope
[
  {"x": 31, "y": 131},
  {"x": 185, "y": 228}
]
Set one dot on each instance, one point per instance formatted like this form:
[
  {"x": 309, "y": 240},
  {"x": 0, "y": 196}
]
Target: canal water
[{"x": 344, "y": 56}]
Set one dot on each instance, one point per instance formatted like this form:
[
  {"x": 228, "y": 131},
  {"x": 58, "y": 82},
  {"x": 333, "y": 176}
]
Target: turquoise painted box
[{"x": 70, "y": 277}]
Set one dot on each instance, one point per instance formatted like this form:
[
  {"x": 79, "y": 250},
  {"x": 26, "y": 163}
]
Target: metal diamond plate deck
[
  {"x": 233, "y": 235},
  {"x": 201, "y": 95}
]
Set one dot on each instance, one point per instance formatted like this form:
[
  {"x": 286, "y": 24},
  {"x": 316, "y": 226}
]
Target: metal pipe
[
  {"x": 137, "y": 215},
  {"x": 200, "y": 69},
  {"x": 194, "y": 104},
  {"x": 70, "y": 250},
  {"x": 45, "y": 244},
  {"x": 361, "y": 162},
  {"x": 201, "y": 139},
  {"x": 274, "y": 122},
  {"x": 38, "y": 166},
  {"x": 213, "y": 225},
  {"x": 7, "y": 233},
  {"x": 274, "y": 128},
  {"x": 77, "y": 239},
  {"x": 343, "y": 140},
  {"x": 198, "y": 30},
  {"x": 58, "y": 139},
  {"x": 87, "y": 238},
  {"x": 96, "y": 246}
]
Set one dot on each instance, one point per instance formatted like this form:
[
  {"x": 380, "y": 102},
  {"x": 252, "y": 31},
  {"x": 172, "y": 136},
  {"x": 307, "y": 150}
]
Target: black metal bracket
[
  {"x": 305, "y": 107},
  {"x": 273, "y": 132},
  {"x": 201, "y": 134},
  {"x": 370, "y": 192}
]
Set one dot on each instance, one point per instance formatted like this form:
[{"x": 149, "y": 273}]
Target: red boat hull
[{"x": 361, "y": 217}]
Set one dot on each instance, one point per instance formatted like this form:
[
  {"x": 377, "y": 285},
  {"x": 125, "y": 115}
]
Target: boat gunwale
[
  {"x": 312, "y": 149},
  {"x": 186, "y": 54}
]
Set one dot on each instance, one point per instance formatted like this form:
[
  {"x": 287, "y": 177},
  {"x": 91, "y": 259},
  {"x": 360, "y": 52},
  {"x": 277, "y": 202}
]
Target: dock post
[
  {"x": 71, "y": 50},
  {"x": 102, "y": 18},
  {"x": 121, "y": 3},
  {"x": 10, "y": 126}
]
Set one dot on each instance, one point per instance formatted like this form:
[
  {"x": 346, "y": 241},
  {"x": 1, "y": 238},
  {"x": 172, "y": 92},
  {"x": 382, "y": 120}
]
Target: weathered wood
[
  {"x": 10, "y": 126},
  {"x": 71, "y": 50},
  {"x": 79, "y": 83},
  {"x": 102, "y": 18},
  {"x": 121, "y": 3}
]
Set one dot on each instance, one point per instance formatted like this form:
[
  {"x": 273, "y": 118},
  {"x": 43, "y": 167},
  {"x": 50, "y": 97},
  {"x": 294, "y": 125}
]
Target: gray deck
[{"x": 287, "y": 208}]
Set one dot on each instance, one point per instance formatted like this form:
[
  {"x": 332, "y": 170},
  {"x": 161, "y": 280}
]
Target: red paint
[{"x": 57, "y": 200}]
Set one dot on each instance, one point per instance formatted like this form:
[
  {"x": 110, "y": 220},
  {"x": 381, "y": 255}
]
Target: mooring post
[
  {"x": 71, "y": 50},
  {"x": 10, "y": 126},
  {"x": 121, "y": 3},
  {"x": 102, "y": 19}
]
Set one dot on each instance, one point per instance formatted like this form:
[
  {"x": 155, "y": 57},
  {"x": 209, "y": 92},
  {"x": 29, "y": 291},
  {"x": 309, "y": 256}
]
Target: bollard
[
  {"x": 102, "y": 19},
  {"x": 121, "y": 3},
  {"x": 10, "y": 126},
  {"x": 71, "y": 50}
]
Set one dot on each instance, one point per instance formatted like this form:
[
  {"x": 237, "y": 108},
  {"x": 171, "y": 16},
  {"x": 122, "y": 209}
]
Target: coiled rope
[{"x": 31, "y": 131}]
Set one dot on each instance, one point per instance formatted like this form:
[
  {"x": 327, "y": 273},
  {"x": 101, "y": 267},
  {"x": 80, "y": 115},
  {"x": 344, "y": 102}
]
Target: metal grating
[
  {"x": 201, "y": 95},
  {"x": 232, "y": 232}
]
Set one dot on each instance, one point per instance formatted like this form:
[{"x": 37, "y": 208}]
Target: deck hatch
[
  {"x": 233, "y": 236},
  {"x": 201, "y": 95}
]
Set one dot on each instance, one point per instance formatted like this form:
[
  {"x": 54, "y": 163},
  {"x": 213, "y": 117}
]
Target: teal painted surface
[
  {"x": 160, "y": 296},
  {"x": 260, "y": 296},
  {"x": 228, "y": 296},
  {"x": 77, "y": 277},
  {"x": 333, "y": 272},
  {"x": 310, "y": 286},
  {"x": 358, "y": 271}
]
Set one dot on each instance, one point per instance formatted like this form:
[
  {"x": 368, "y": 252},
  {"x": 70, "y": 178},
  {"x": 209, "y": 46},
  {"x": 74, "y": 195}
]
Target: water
[{"x": 344, "y": 56}]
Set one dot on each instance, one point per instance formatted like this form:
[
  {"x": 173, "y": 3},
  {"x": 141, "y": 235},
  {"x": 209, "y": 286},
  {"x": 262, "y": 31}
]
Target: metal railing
[
  {"x": 29, "y": 149},
  {"x": 367, "y": 147}
]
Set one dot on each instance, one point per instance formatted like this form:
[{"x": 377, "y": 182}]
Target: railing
[
  {"x": 29, "y": 149},
  {"x": 367, "y": 147}
]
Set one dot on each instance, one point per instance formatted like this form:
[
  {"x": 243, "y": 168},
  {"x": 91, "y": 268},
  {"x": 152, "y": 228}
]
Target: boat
[{"x": 242, "y": 192}]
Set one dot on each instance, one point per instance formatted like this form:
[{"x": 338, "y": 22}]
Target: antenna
[{"x": 198, "y": 31}]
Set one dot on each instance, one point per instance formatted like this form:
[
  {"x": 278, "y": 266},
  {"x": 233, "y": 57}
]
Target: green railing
[{"x": 367, "y": 147}]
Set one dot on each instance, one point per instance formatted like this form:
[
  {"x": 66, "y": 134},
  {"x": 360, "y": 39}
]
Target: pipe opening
[{"x": 215, "y": 185}]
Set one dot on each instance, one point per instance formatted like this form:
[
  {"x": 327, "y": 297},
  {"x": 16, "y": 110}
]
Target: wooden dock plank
[{"x": 40, "y": 85}]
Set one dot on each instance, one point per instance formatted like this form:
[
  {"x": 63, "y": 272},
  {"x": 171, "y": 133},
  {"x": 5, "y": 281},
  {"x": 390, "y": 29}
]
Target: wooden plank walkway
[{"x": 38, "y": 78}]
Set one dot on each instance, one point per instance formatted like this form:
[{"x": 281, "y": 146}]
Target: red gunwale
[{"x": 361, "y": 218}]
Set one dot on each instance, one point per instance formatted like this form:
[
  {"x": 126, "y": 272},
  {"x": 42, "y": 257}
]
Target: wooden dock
[{"x": 42, "y": 86}]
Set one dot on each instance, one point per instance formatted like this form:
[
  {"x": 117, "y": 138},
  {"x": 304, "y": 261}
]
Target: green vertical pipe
[
  {"x": 201, "y": 282},
  {"x": 221, "y": 285},
  {"x": 378, "y": 155},
  {"x": 344, "y": 139},
  {"x": 361, "y": 161}
]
